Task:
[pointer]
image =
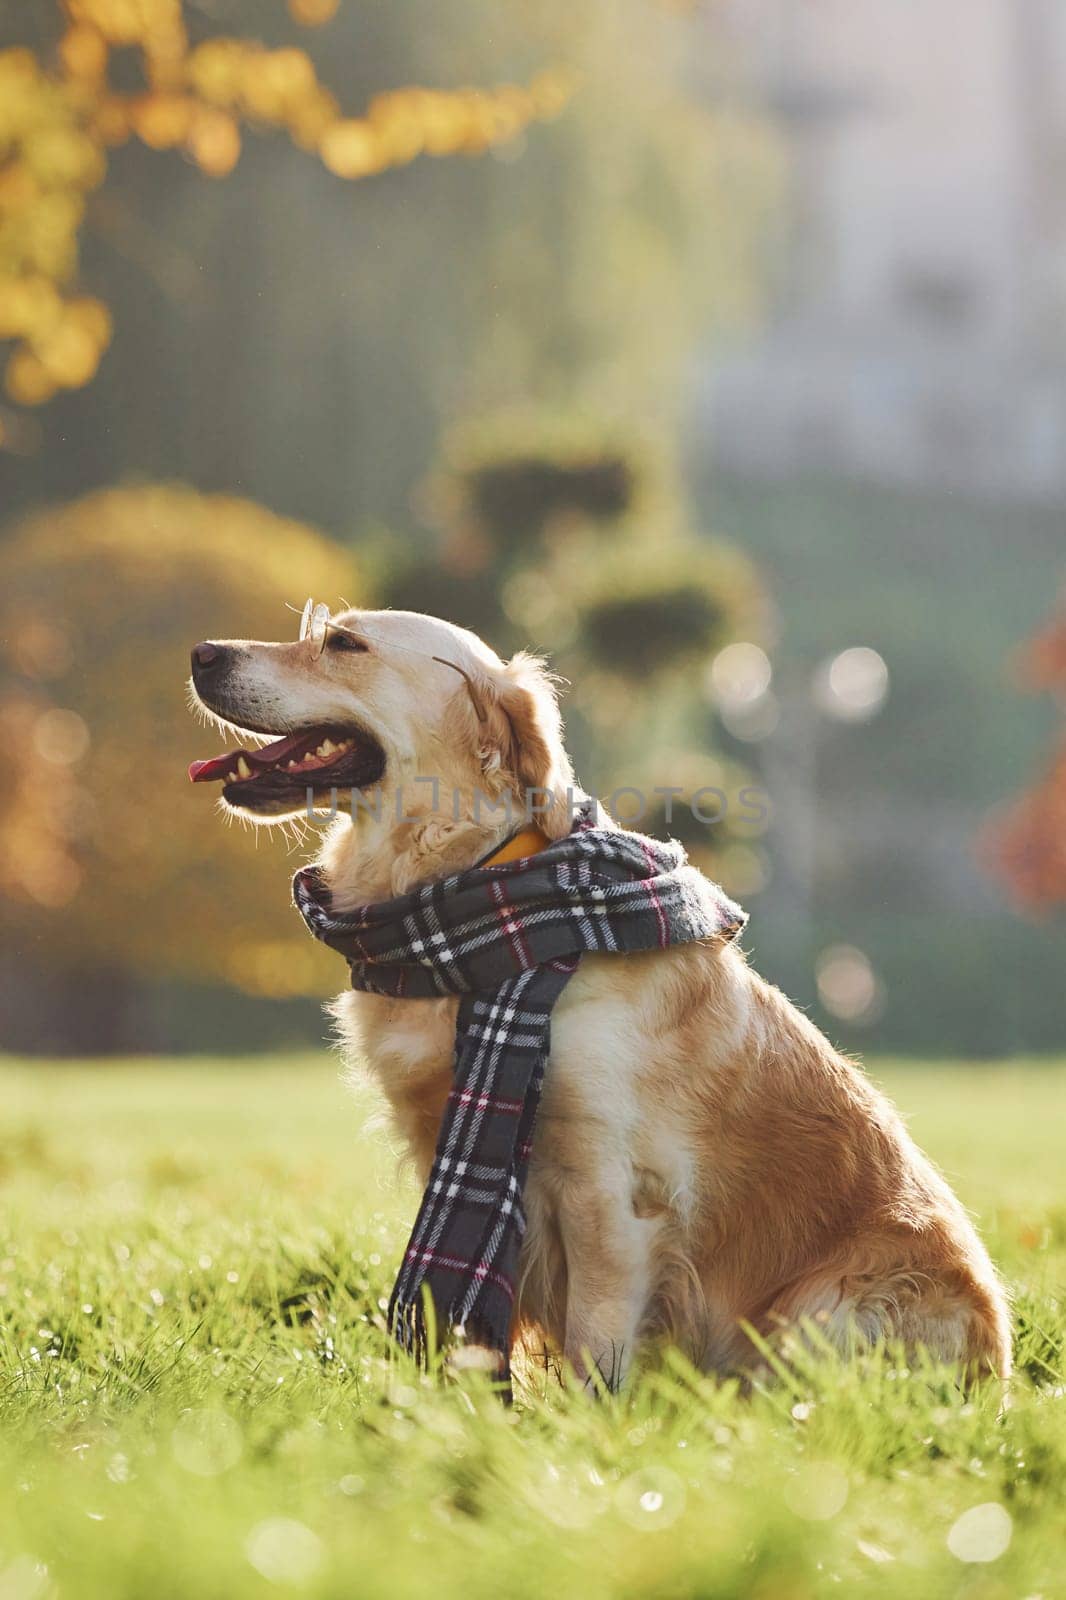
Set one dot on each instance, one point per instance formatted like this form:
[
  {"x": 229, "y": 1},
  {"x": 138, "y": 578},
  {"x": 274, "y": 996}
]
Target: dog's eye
[{"x": 339, "y": 639}]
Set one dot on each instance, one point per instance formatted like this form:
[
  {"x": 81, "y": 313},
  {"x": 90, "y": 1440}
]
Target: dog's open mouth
[{"x": 280, "y": 774}]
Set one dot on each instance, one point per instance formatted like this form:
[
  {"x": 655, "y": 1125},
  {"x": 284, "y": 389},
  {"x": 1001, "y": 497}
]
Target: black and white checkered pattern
[{"x": 506, "y": 939}]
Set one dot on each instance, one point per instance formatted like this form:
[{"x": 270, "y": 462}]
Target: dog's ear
[
  {"x": 519, "y": 735},
  {"x": 534, "y": 750}
]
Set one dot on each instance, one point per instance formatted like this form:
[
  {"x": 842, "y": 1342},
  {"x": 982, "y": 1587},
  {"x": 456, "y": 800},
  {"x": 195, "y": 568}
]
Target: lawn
[{"x": 195, "y": 1398}]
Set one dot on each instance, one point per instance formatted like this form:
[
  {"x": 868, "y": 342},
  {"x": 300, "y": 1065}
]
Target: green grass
[{"x": 195, "y": 1396}]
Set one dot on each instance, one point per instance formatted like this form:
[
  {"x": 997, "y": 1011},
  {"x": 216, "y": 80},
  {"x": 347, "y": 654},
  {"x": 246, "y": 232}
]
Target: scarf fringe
[{"x": 415, "y": 1326}]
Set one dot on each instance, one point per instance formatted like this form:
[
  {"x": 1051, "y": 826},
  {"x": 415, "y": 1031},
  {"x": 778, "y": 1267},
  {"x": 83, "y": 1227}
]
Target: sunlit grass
[{"x": 195, "y": 1397}]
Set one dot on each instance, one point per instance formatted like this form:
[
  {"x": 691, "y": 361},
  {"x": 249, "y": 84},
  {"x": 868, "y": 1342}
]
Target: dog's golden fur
[{"x": 704, "y": 1159}]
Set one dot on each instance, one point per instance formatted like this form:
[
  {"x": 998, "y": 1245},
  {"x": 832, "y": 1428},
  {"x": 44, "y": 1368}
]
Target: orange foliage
[
  {"x": 1028, "y": 843},
  {"x": 58, "y": 121},
  {"x": 1042, "y": 664}
]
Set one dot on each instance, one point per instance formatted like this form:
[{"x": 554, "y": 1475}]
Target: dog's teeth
[
  {"x": 326, "y": 748},
  {"x": 294, "y": 766},
  {"x": 243, "y": 769}
]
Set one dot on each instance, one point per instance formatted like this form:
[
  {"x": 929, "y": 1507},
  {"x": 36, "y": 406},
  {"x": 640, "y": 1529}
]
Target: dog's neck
[{"x": 383, "y": 850}]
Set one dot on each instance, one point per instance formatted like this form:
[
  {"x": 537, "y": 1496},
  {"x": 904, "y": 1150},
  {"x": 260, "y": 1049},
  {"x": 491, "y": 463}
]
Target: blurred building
[
  {"x": 888, "y": 440},
  {"x": 917, "y": 325}
]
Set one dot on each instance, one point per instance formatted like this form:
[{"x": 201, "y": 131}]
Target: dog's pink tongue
[
  {"x": 202, "y": 771},
  {"x": 265, "y": 758}
]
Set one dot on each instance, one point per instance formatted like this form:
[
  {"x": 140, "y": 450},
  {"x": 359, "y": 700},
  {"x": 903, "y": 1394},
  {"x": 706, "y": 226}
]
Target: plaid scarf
[{"x": 506, "y": 939}]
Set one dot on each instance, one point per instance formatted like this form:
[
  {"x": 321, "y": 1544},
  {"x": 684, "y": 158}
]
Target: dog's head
[{"x": 387, "y": 700}]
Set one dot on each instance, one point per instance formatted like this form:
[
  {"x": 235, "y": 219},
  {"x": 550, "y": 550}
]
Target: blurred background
[{"x": 717, "y": 350}]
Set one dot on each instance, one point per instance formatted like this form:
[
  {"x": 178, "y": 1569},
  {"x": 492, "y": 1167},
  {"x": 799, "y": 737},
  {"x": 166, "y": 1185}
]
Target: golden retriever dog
[{"x": 705, "y": 1162}]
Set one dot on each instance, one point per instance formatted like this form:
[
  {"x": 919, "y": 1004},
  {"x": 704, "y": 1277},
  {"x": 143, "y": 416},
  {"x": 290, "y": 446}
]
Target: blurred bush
[
  {"x": 514, "y": 498},
  {"x": 656, "y": 615},
  {"x": 111, "y": 868}
]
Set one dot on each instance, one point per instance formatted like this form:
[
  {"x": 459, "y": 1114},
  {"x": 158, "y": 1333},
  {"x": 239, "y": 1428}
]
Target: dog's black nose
[{"x": 207, "y": 658}]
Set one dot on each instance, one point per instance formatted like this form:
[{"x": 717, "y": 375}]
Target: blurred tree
[
  {"x": 64, "y": 107},
  {"x": 315, "y": 349},
  {"x": 1028, "y": 843},
  {"x": 109, "y": 870}
]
